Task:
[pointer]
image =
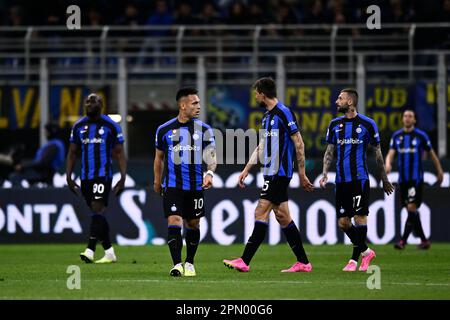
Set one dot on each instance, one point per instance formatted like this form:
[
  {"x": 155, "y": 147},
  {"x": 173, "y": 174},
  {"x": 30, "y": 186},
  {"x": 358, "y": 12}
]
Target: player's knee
[
  {"x": 174, "y": 220},
  {"x": 360, "y": 220},
  {"x": 344, "y": 224},
  {"x": 97, "y": 207},
  {"x": 411, "y": 207},
  {"x": 193, "y": 223}
]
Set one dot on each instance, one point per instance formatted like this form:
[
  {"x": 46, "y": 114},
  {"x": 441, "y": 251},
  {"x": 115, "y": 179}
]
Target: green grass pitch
[{"x": 39, "y": 272}]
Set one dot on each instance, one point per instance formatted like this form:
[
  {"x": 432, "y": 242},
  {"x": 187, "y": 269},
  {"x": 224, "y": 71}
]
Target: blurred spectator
[
  {"x": 131, "y": 16},
  {"x": 237, "y": 14},
  {"x": 48, "y": 159},
  {"x": 184, "y": 16},
  {"x": 210, "y": 16},
  {"x": 284, "y": 15},
  {"x": 160, "y": 17},
  {"x": 256, "y": 14},
  {"x": 16, "y": 17}
]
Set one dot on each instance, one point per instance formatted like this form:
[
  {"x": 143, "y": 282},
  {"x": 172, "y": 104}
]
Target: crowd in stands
[{"x": 230, "y": 12}]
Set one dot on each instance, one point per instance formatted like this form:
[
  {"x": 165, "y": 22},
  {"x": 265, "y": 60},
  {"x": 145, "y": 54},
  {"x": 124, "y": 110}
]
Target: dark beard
[
  {"x": 93, "y": 114},
  {"x": 343, "y": 109}
]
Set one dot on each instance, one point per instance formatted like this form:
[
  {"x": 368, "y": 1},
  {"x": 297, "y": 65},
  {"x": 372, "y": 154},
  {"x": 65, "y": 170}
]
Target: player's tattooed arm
[
  {"x": 327, "y": 159},
  {"x": 70, "y": 163},
  {"x": 300, "y": 153},
  {"x": 387, "y": 186},
  {"x": 210, "y": 158}
]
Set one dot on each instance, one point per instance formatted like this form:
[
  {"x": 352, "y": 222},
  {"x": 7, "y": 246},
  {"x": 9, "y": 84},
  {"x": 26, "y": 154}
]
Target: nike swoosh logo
[
  {"x": 338, "y": 130},
  {"x": 83, "y": 131},
  {"x": 197, "y": 214},
  {"x": 98, "y": 197},
  {"x": 358, "y": 209}
]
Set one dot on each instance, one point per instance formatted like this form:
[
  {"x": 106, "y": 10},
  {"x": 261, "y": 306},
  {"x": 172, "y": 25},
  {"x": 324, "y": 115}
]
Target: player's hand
[
  {"x": 306, "y": 184},
  {"x": 207, "y": 181},
  {"x": 119, "y": 187},
  {"x": 73, "y": 186},
  {"x": 241, "y": 178},
  {"x": 440, "y": 177},
  {"x": 388, "y": 187},
  {"x": 323, "y": 181},
  {"x": 157, "y": 188}
]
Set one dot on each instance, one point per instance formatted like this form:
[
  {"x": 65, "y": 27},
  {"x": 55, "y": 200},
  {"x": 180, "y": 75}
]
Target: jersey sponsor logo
[
  {"x": 184, "y": 148},
  {"x": 349, "y": 141},
  {"x": 271, "y": 134},
  {"x": 407, "y": 150},
  {"x": 92, "y": 140}
]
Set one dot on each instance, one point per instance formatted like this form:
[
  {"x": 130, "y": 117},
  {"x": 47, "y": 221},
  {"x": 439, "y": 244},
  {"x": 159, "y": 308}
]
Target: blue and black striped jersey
[
  {"x": 96, "y": 140},
  {"x": 279, "y": 154},
  {"x": 183, "y": 145},
  {"x": 409, "y": 146},
  {"x": 351, "y": 137}
]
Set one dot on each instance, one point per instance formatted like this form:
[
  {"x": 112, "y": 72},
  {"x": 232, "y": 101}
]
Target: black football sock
[
  {"x": 418, "y": 226},
  {"x": 192, "y": 240},
  {"x": 95, "y": 231},
  {"x": 106, "y": 242},
  {"x": 295, "y": 242},
  {"x": 409, "y": 226},
  {"x": 175, "y": 243},
  {"x": 361, "y": 231},
  {"x": 352, "y": 235},
  {"x": 255, "y": 240}
]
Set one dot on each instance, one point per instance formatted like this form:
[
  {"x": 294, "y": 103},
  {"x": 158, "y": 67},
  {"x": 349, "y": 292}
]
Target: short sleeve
[
  {"x": 74, "y": 137},
  {"x": 289, "y": 121},
  {"x": 426, "y": 142},
  {"x": 391, "y": 143},
  {"x": 374, "y": 134},
  {"x": 159, "y": 143},
  {"x": 118, "y": 138},
  {"x": 208, "y": 138},
  {"x": 330, "y": 137}
]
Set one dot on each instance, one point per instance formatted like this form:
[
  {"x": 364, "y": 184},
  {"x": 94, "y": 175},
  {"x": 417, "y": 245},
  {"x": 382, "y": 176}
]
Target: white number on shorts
[
  {"x": 99, "y": 188},
  {"x": 266, "y": 185},
  {"x": 198, "y": 203},
  {"x": 356, "y": 201}
]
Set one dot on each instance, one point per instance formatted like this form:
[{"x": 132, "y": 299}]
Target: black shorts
[
  {"x": 275, "y": 189},
  {"x": 352, "y": 198},
  {"x": 411, "y": 192},
  {"x": 96, "y": 190},
  {"x": 184, "y": 203}
]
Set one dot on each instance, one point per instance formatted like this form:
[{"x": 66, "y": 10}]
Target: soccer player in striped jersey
[
  {"x": 99, "y": 139},
  {"x": 183, "y": 144},
  {"x": 410, "y": 143},
  {"x": 280, "y": 145},
  {"x": 350, "y": 135}
]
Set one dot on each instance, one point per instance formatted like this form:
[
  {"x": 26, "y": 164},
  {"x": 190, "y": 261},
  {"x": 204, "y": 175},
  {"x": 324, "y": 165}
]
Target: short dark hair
[
  {"x": 410, "y": 110},
  {"x": 266, "y": 86},
  {"x": 186, "y": 91},
  {"x": 353, "y": 94}
]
